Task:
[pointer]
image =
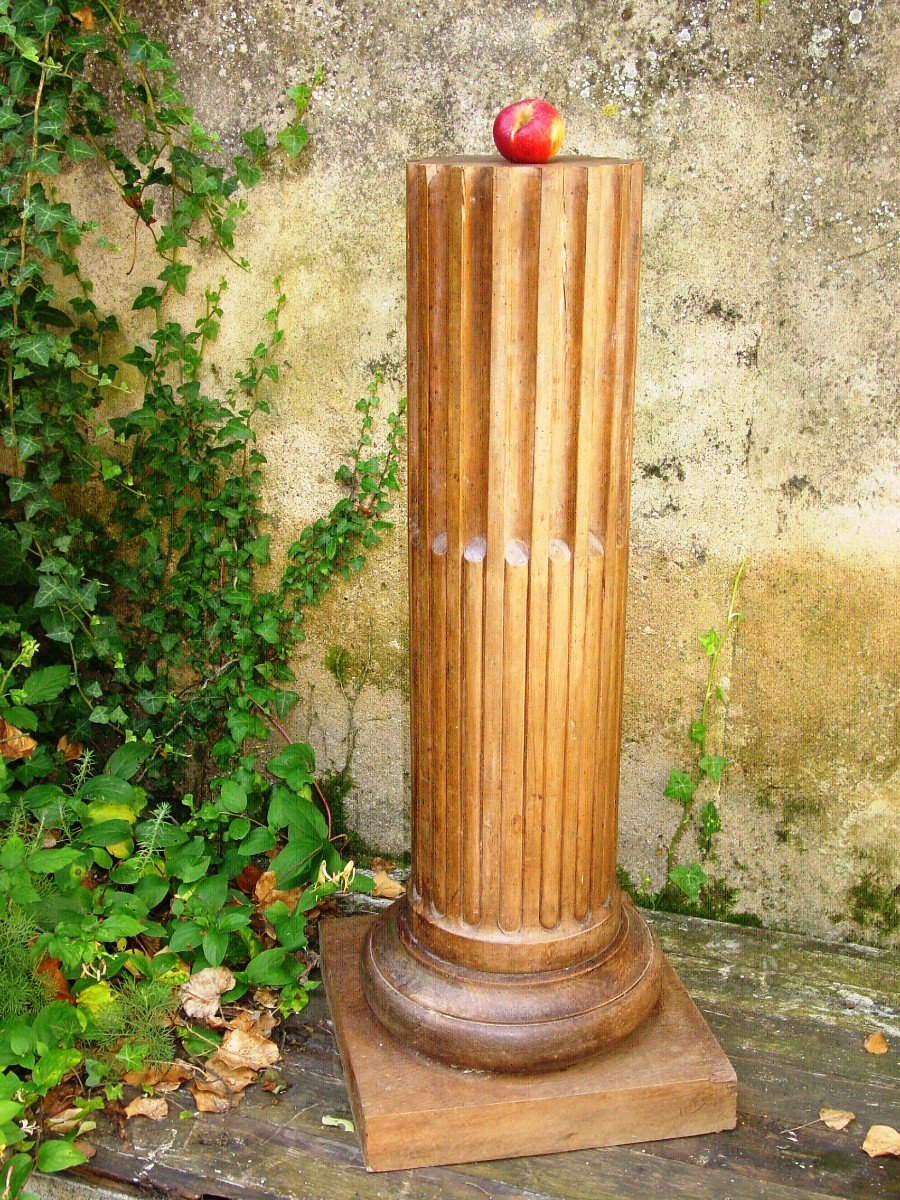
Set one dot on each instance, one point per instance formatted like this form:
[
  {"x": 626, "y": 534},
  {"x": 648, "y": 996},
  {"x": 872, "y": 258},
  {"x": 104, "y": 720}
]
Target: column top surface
[{"x": 495, "y": 160}]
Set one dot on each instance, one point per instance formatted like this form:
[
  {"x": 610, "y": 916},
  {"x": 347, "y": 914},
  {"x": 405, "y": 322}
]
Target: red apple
[{"x": 529, "y": 131}]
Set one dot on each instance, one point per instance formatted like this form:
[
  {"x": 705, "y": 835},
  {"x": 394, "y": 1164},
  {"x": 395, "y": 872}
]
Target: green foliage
[
  {"x": 144, "y": 663},
  {"x": 687, "y": 888},
  {"x": 683, "y": 786}
]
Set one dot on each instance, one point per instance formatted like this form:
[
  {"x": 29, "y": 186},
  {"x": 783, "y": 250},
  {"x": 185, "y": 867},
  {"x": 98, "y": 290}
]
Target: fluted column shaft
[
  {"x": 522, "y": 290},
  {"x": 513, "y": 950}
]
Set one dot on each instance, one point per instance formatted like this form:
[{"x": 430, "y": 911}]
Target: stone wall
[{"x": 766, "y": 413}]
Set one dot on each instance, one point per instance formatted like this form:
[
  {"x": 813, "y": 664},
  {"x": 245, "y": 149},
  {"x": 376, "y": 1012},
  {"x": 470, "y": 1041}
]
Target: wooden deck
[{"x": 791, "y": 1013}]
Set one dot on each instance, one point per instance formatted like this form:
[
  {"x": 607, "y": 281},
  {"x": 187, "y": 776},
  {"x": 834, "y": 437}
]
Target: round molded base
[{"x": 494, "y": 1021}]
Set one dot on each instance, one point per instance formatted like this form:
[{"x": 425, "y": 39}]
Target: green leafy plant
[
  {"x": 683, "y": 786},
  {"x": 687, "y": 887},
  {"x": 144, "y": 663}
]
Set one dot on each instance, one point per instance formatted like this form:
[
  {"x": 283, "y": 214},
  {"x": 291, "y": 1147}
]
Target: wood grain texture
[
  {"x": 669, "y": 1079},
  {"x": 522, "y": 328},
  {"x": 525, "y": 343}
]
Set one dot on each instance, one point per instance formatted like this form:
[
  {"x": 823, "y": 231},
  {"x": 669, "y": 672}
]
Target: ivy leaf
[
  {"x": 176, "y": 273},
  {"x": 688, "y": 880},
  {"x": 710, "y": 642},
  {"x": 45, "y": 162},
  {"x": 293, "y": 139},
  {"x": 713, "y": 765},
  {"x": 148, "y": 297},
  {"x": 255, "y": 141},
  {"x": 38, "y": 348},
  {"x": 698, "y": 731},
  {"x": 710, "y": 819},
  {"x": 51, "y": 590},
  {"x": 681, "y": 787}
]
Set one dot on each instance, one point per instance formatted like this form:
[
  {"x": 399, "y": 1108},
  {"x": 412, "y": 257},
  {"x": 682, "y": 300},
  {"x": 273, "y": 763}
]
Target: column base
[
  {"x": 670, "y": 1078},
  {"x": 510, "y": 1022}
]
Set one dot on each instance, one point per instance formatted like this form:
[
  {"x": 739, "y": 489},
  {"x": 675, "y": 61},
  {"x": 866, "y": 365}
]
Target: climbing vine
[{"x": 687, "y": 886}]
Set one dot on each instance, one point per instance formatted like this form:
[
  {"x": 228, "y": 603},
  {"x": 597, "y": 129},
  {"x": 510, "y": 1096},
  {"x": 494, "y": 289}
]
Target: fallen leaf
[
  {"x": 247, "y": 879},
  {"x": 201, "y": 995},
  {"x": 235, "y": 1078},
  {"x": 51, "y": 971},
  {"x": 14, "y": 743},
  {"x": 267, "y": 893},
  {"x": 153, "y": 1107},
  {"x": 266, "y": 997},
  {"x": 59, "y": 1098},
  {"x": 260, "y": 1023},
  {"x": 241, "y": 1048},
  {"x": 836, "y": 1118},
  {"x": 69, "y": 750},
  {"x": 66, "y": 1121},
  {"x": 162, "y": 1078},
  {"x": 386, "y": 887},
  {"x": 882, "y": 1140},
  {"x": 264, "y": 888},
  {"x": 85, "y": 16},
  {"x": 86, "y": 1149},
  {"x": 340, "y": 1123},
  {"x": 210, "y": 1095},
  {"x": 876, "y": 1043}
]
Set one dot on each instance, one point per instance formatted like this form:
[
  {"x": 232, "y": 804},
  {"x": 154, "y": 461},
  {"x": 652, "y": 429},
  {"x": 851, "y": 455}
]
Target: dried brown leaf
[
  {"x": 210, "y": 1095},
  {"x": 247, "y": 879},
  {"x": 876, "y": 1043},
  {"x": 71, "y": 751},
  {"x": 882, "y": 1140},
  {"x": 267, "y": 893},
  {"x": 66, "y": 1121},
  {"x": 266, "y": 997},
  {"x": 153, "y": 1107},
  {"x": 201, "y": 995},
  {"x": 260, "y": 1023},
  {"x": 241, "y": 1048},
  {"x": 86, "y": 1148},
  {"x": 264, "y": 888},
  {"x": 836, "y": 1118},
  {"x": 235, "y": 1078},
  {"x": 386, "y": 887},
  {"x": 161, "y": 1078},
  {"x": 14, "y": 743},
  {"x": 85, "y": 16}
]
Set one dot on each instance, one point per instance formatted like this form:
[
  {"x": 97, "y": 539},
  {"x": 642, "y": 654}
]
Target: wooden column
[{"x": 514, "y": 949}]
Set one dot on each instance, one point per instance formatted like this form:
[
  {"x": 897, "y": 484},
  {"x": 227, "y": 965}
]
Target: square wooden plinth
[{"x": 669, "y": 1079}]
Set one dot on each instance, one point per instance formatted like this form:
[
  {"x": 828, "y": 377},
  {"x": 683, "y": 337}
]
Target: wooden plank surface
[{"x": 791, "y": 1013}]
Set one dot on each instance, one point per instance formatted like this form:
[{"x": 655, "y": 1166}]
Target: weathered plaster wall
[{"x": 766, "y": 413}]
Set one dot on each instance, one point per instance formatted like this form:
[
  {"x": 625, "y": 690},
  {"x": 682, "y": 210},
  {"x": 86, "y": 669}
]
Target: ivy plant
[{"x": 144, "y": 663}]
